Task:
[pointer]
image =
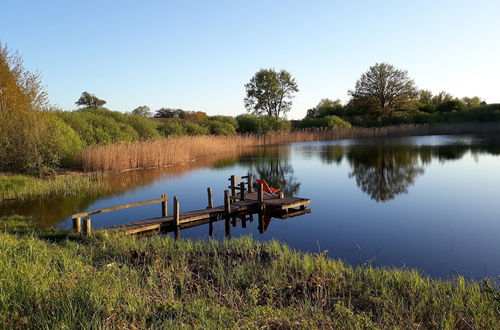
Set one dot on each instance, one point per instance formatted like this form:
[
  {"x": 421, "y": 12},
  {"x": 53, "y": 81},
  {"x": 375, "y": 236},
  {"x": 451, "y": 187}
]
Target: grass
[
  {"x": 178, "y": 150},
  {"x": 52, "y": 279},
  {"x": 26, "y": 187}
]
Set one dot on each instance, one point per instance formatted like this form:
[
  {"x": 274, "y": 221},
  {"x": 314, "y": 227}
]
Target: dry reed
[{"x": 179, "y": 150}]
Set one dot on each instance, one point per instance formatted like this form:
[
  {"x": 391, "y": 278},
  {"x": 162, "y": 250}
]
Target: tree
[
  {"x": 90, "y": 101},
  {"x": 168, "y": 113},
  {"x": 20, "y": 90},
  {"x": 384, "y": 88},
  {"x": 270, "y": 93},
  {"x": 326, "y": 107},
  {"x": 142, "y": 111}
]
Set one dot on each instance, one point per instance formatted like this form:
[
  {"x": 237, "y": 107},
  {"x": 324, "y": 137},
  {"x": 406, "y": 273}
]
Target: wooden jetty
[{"x": 239, "y": 201}]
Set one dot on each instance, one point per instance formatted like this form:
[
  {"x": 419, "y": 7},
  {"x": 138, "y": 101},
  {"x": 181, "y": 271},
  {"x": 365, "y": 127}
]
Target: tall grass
[
  {"x": 48, "y": 280},
  {"x": 26, "y": 187},
  {"x": 178, "y": 150}
]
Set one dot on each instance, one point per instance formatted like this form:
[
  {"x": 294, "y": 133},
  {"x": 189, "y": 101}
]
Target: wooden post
[
  {"x": 211, "y": 228},
  {"x": 177, "y": 233},
  {"x": 176, "y": 212},
  {"x": 227, "y": 226},
  {"x": 77, "y": 225},
  {"x": 227, "y": 203},
  {"x": 87, "y": 226},
  {"x": 260, "y": 196},
  {"x": 244, "y": 221},
  {"x": 210, "y": 199},
  {"x": 242, "y": 191},
  {"x": 282, "y": 195},
  {"x": 164, "y": 205},
  {"x": 261, "y": 223},
  {"x": 233, "y": 186},
  {"x": 250, "y": 182}
]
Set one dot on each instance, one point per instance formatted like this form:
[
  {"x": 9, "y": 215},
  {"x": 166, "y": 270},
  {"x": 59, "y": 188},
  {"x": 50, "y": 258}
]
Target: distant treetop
[{"x": 90, "y": 101}]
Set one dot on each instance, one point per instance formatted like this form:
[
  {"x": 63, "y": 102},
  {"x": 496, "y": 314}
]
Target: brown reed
[{"x": 178, "y": 150}]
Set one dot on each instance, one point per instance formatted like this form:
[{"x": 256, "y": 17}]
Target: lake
[{"x": 430, "y": 203}]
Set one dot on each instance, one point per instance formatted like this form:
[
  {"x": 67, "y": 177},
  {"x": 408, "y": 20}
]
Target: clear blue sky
[{"x": 197, "y": 55}]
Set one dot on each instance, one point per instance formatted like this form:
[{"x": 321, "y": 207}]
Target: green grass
[
  {"x": 26, "y": 187},
  {"x": 53, "y": 279}
]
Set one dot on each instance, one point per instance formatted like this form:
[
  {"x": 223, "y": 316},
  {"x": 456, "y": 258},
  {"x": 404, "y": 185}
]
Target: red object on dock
[{"x": 266, "y": 187}]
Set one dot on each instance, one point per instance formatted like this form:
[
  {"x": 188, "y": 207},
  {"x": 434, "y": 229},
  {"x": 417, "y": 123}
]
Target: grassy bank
[
  {"x": 26, "y": 187},
  {"x": 52, "y": 280},
  {"x": 178, "y": 150}
]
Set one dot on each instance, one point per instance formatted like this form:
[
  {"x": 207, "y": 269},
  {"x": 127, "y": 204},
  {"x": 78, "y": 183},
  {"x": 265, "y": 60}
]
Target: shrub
[
  {"x": 172, "y": 127},
  {"x": 336, "y": 122},
  {"x": 195, "y": 129},
  {"x": 262, "y": 124},
  {"x": 63, "y": 141},
  {"x": 220, "y": 128}
]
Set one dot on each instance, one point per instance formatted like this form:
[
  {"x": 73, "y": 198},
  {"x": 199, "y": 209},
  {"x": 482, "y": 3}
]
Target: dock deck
[
  {"x": 241, "y": 199},
  {"x": 272, "y": 204}
]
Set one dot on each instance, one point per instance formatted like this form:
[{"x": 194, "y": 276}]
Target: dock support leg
[
  {"x": 227, "y": 227},
  {"x": 282, "y": 195},
  {"x": 164, "y": 205},
  {"x": 244, "y": 221},
  {"x": 261, "y": 223},
  {"x": 87, "y": 226},
  {"x": 210, "y": 199},
  {"x": 211, "y": 228},
  {"x": 242, "y": 191},
  {"x": 176, "y": 212},
  {"x": 77, "y": 225}
]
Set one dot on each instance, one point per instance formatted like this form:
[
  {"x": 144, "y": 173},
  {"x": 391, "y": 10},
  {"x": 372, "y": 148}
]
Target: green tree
[
  {"x": 168, "y": 113},
  {"x": 326, "y": 107},
  {"x": 270, "y": 93},
  {"x": 90, "y": 101},
  {"x": 384, "y": 88},
  {"x": 142, "y": 111}
]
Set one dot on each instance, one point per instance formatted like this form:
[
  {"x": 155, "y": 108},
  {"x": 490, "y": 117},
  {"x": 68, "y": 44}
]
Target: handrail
[{"x": 119, "y": 207}]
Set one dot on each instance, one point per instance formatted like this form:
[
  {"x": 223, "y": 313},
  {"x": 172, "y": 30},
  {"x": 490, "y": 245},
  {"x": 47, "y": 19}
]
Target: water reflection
[
  {"x": 274, "y": 165},
  {"x": 383, "y": 173}
]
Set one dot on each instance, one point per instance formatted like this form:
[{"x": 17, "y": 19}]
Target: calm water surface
[{"x": 430, "y": 203}]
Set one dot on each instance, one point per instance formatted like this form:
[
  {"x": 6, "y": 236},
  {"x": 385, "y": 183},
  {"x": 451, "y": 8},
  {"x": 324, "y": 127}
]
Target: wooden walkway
[
  {"x": 237, "y": 201},
  {"x": 271, "y": 204}
]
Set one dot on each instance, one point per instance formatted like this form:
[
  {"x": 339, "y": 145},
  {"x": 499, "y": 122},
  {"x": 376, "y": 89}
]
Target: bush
[
  {"x": 195, "y": 129},
  {"x": 336, "y": 122},
  {"x": 449, "y": 106},
  {"x": 172, "y": 127},
  {"x": 64, "y": 142},
  {"x": 220, "y": 127},
  {"x": 328, "y": 121},
  {"x": 262, "y": 124}
]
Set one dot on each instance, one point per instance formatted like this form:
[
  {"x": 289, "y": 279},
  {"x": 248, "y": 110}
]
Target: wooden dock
[{"x": 239, "y": 201}]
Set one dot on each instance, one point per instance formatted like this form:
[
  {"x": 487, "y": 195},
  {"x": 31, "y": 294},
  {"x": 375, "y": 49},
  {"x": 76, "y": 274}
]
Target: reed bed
[{"x": 178, "y": 150}]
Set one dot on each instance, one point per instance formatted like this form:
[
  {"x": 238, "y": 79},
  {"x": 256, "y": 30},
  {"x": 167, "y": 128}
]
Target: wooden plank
[{"x": 114, "y": 208}]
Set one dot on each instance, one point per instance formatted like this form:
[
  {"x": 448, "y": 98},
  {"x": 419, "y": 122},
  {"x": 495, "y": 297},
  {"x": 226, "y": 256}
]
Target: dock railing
[{"x": 77, "y": 217}]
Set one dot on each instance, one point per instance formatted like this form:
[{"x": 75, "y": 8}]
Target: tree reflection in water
[
  {"x": 384, "y": 172},
  {"x": 273, "y": 164}
]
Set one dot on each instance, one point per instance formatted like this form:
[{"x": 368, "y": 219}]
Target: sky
[{"x": 198, "y": 55}]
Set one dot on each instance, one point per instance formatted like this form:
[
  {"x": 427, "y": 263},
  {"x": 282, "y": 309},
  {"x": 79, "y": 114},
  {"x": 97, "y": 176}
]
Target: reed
[{"x": 178, "y": 150}]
